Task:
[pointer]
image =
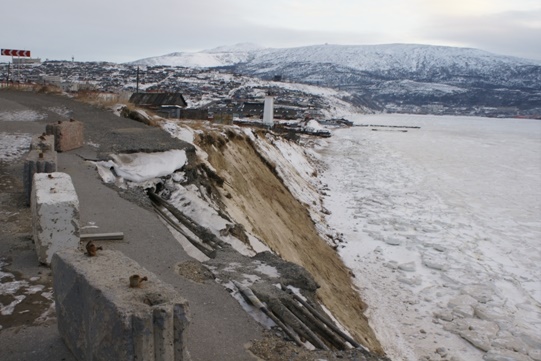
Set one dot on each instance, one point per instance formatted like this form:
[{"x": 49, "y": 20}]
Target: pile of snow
[
  {"x": 313, "y": 126},
  {"x": 141, "y": 167},
  {"x": 183, "y": 133}
]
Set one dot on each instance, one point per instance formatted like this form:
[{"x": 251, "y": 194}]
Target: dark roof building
[{"x": 156, "y": 100}]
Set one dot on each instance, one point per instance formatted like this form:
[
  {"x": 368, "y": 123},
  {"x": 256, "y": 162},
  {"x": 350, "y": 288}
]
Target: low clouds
[
  {"x": 126, "y": 30},
  {"x": 516, "y": 33}
]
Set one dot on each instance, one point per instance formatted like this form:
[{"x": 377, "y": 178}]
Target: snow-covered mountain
[
  {"x": 217, "y": 57},
  {"x": 409, "y": 57},
  {"x": 401, "y": 77}
]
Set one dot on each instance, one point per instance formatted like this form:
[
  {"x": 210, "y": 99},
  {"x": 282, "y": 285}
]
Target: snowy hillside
[
  {"x": 393, "y": 77},
  {"x": 392, "y": 57},
  {"x": 217, "y": 57},
  {"x": 389, "y": 57}
]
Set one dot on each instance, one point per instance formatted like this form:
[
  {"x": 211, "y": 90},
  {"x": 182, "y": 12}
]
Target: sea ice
[{"x": 459, "y": 198}]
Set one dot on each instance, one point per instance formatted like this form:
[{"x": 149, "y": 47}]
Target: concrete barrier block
[
  {"x": 55, "y": 214},
  {"x": 37, "y": 161},
  {"x": 42, "y": 142},
  {"x": 68, "y": 135},
  {"x": 101, "y": 318}
]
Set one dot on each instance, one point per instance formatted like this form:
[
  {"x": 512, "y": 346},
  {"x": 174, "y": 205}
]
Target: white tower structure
[{"x": 268, "y": 110}]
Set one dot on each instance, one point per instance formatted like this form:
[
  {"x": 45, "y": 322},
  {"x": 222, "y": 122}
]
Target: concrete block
[
  {"x": 37, "y": 161},
  {"x": 55, "y": 214},
  {"x": 68, "y": 135},
  {"x": 101, "y": 318},
  {"x": 42, "y": 142}
]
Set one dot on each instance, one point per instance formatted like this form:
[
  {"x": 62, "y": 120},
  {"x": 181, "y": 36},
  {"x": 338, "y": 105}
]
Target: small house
[{"x": 168, "y": 105}]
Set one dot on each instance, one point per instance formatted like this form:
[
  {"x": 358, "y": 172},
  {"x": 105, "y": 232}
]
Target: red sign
[{"x": 11, "y": 52}]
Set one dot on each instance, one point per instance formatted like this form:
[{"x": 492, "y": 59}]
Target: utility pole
[{"x": 137, "y": 88}]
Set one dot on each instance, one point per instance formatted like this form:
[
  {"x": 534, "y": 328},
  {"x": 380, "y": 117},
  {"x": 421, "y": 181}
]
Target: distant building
[
  {"x": 51, "y": 79},
  {"x": 156, "y": 100},
  {"x": 252, "y": 109},
  {"x": 77, "y": 86},
  {"x": 168, "y": 105},
  {"x": 26, "y": 61},
  {"x": 268, "y": 110}
]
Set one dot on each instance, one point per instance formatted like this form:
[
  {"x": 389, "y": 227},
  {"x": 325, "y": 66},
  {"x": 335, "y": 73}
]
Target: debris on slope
[
  {"x": 231, "y": 209},
  {"x": 259, "y": 200}
]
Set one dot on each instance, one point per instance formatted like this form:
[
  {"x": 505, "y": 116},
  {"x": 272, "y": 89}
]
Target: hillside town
[{"x": 225, "y": 93}]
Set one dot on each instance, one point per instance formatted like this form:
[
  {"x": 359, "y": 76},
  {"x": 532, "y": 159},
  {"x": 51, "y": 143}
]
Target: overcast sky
[{"x": 127, "y": 30}]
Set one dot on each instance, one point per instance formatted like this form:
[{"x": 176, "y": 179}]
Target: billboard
[{"x": 12, "y": 52}]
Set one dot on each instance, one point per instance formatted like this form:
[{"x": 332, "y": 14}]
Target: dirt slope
[{"x": 257, "y": 199}]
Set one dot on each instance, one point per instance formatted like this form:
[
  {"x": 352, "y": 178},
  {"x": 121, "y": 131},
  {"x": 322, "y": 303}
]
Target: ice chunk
[
  {"x": 506, "y": 341},
  {"x": 504, "y": 355},
  {"x": 444, "y": 315},
  {"x": 434, "y": 262},
  {"x": 408, "y": 267},
  {"x": 477, "y": 332},
  {"x": 461, "y": 301},
  {"x": 481, "y": 293},
  {"x": 491, "y": 313},
  {"x": 535, "y": 354},
  {"x": 393, "y": 241},
  {"x": 463, "y": 311},
  {"x": 534, "y": 341},
  {"x": 413, "y": 281}
]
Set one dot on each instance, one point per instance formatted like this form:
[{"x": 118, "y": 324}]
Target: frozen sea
[{"x": 442, "y": 228}]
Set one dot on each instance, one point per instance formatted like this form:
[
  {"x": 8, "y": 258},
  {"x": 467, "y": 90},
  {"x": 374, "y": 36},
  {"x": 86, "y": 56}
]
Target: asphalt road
[{"x": 220, "y": 329}]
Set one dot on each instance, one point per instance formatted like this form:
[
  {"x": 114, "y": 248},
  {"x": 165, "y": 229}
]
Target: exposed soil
[
  {"x": 194, "y": 271},
  {"x": 254, "y": 197}
]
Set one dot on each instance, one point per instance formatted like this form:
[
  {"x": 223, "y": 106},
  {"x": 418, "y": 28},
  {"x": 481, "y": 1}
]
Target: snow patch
[
  {"x": 13, "y": 146},
  {"x": 22, "y": 116}
]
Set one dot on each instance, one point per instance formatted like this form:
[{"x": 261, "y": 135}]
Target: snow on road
[
  {"x": 442, "y": 227},
  {"x": 13, "y": 145}
]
